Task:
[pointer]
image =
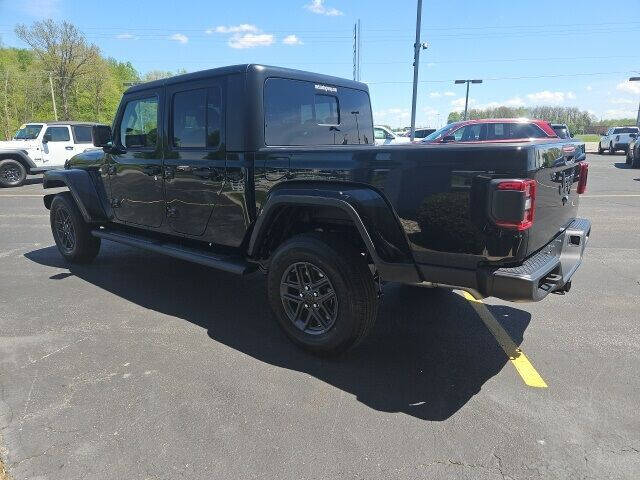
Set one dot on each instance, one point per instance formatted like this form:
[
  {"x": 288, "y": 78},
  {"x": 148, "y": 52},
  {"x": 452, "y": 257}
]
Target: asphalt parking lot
[{"x": 145, "y": 367}]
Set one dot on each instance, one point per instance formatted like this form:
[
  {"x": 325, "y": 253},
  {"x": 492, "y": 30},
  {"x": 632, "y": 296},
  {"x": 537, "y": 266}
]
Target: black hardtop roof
[
  {"x": 250, "y": 69},
  {"x": 70, "y": 122}
]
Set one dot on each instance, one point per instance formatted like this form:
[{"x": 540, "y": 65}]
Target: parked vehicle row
[
  {"x": 288, "y": 182},
  {"x": 617, "y": 139},
  {"x": 493, "y": 130},
  {"x": 38, "y": 147}
]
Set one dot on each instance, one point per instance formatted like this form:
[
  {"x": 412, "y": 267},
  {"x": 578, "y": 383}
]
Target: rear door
[
  {"x": 82, "y": 138},
  {"x": 194, "y": 164},
  {"x": 59, "y": 147}
]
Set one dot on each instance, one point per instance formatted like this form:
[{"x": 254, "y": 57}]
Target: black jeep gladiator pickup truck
[{"x": 251, "y": 167}]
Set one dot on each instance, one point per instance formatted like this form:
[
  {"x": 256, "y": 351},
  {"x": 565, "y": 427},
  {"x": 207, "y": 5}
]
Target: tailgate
[{"x": 557, "y": 201}]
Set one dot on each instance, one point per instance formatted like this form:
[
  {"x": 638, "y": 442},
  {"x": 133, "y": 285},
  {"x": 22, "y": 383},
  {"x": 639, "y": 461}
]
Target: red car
[{"x": 492, "y": 130}]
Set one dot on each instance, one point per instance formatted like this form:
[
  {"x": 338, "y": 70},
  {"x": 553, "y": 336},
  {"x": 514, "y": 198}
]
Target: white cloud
[
  {"x": 318, "y": 7},
  {"x": 179, "y": 37},
  {"x": 392, "y": 116},
  {"x": 619, "y": 113},
  {"x": 126, "y": 36},
  {"x": 550, "y": 98},
  {"x": 431, "y": 65},
  {"x": 242, "y": 28},
  {"x": 435, "y": 94},
  {"x": 623, "y": 101},
  {"x": 251, "y": 40},
  {"x": 40, "y": 8},
  {"x": 629, "y": 87},
  {"x": 588, "y": 88},
  {"x": 449, "y": 94},
  {"x": 246, "y": 35},
  {"x": 291, "y": 40}
]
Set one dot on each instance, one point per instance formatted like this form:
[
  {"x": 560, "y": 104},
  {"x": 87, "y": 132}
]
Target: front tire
[
  {"x": 71, "y": 233},
  {"x": 12, "y": 173},
  {"x": 600, "y": 149},
  {"x": 322, "y": 293},
  {"x": 611, "y": 150}
]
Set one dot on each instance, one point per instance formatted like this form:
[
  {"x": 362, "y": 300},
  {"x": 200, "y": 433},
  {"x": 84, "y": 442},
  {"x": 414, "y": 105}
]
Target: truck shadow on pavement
[{"x": 427, "y": 356}]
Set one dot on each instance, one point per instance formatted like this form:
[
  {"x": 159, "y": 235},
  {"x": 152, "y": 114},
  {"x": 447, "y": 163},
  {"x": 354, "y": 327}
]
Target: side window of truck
[
  {"x": 307, "y": 113},
  {"x": 58, "y": 134},
  {"x": 82, "y": 134},
  {"x": 139, "y": 123},
  {"x": 196, "y": 118}
]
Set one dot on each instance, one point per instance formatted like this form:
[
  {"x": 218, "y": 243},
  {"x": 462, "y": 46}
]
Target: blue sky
[{"x": 528, "y": 52}]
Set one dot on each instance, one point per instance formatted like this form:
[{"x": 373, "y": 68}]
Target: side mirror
[
  {"x": 46, "y": 138},
  {"x": 101, "y": 135},
  {"x": 448, "y": 138}
]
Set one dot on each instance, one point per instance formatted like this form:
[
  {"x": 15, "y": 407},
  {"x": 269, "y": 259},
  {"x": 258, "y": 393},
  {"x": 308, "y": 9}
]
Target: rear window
[
  {"x": 82, "y": 134},
  {"x": 308, "y": 113},
  {"x": 479, "y": 132},
  {"x": 626, "y": 130}
]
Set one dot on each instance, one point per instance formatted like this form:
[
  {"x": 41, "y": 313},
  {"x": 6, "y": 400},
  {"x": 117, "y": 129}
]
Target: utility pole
[
  {"x": 466, "y": 101},
  {"x": 417, "y": 46},
  {"x": 359, "y": 47},
  {"x": 53, "y": 98},
  {"x": 356, "y": 51},
  {"x": 636, "y": 79}
]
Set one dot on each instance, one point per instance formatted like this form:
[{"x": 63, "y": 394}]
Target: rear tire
[
  {"x": 314, "y": 266},
  {"x": 12, "y": 173},
  {"x": 629, "y": 154},
  {"x": 635, "y": 160},
  {"x": 600, "y": 149},
  {"x": 611, "y": 150},
  {"x": 71, "y": 233}
]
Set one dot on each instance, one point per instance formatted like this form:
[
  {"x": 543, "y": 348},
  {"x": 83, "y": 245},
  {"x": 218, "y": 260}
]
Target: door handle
[{"x": 68, "y": 148}]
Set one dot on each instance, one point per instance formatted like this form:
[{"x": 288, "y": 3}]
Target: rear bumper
[{"x": 549, "y": 270}]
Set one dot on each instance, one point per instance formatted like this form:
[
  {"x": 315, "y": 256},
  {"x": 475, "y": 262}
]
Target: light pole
[
  {"x": 636, "y": 79},
  {"x": 466, "y": 102},
  {"x": 417, "y": 46}
]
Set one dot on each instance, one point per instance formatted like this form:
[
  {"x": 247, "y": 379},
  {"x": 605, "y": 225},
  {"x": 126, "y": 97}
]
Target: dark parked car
[
  {"x": 255, "y": 168},
  {"x": 562, "y": 130},
  {"x": 633, "y": 151}
]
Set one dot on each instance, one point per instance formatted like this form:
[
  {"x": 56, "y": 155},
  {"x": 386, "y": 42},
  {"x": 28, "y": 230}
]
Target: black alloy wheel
[
  {"x": 309, "y": 299},
  {"x": 65, "y": 231}
]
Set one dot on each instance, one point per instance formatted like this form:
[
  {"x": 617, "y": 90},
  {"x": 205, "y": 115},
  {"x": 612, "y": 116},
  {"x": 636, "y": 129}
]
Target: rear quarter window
[
  {"x": 307, "y": 113},
  {"x": 82, "y": 134}
]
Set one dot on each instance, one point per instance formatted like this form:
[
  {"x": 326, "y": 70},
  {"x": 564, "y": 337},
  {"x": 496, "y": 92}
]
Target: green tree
[{"x": 64, "y": 53}]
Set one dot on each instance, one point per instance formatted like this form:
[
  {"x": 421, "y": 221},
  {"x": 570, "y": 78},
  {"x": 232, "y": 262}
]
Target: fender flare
[
  {"x": 83, "y": 190},
  {"x": 355, "y": 201},
  {"x": 20, "y": 156}
]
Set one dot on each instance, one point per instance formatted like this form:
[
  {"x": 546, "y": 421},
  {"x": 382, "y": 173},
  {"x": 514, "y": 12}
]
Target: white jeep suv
[{"x": 37, "y": 147}]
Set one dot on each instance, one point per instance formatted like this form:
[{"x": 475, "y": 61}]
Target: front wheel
[
  {"x": 322, "y": 292},
  {"x": 611, "y": 150},
  {"x": 600, "y": 149},
  {"x": 12, "y": 173},
  {"x": 70, "y": 232}
]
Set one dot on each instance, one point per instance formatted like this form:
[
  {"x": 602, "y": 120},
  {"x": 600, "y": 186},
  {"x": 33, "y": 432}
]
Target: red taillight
[
  {"x": 582, "y": 177},
  {"x": 528, "y": 188}
]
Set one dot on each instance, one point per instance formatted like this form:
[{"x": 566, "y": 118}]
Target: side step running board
[{"x": 226, "y": 263}]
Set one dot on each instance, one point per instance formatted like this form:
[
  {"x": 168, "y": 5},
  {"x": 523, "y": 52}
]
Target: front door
[
  {"x": 135, "y": 174},
  {"x": 194, "y": 163},
  {"x": 57, "y": 146}
]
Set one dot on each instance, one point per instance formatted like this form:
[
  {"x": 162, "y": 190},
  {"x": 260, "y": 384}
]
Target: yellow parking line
[{"x": 517, "y": 357}]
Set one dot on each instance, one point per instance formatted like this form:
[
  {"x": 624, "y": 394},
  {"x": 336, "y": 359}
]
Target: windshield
[
  {"x": 562, "y": 132},
  {"x": 438, "y": 133},
  {"x": 28, "y": 132},
  {"x": 626, "y": 130}
]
